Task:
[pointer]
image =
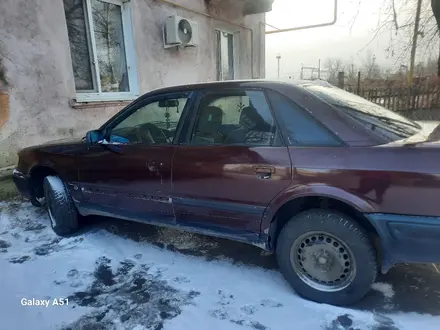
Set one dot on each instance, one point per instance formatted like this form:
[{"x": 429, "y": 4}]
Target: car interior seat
[
  {"x": 209, "y": 121},
  {"x": 253, "y": 129}
]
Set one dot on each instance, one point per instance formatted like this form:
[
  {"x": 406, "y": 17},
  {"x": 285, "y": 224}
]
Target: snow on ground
[
  {"x": 115, "y": 281},
  {"x": 385, "y": 288},
  {"x": 429, "y": 125}
]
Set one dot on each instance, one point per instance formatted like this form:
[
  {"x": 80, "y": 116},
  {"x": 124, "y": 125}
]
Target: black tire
[
  {"x": 345, "y": 230},
  {"x": 59, "y": 204}
]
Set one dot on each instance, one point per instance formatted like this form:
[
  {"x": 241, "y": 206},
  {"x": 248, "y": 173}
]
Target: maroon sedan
[{"x": 336, "y": 186}]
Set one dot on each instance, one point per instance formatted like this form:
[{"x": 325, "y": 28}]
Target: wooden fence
[{"x": 402, "y": 98}]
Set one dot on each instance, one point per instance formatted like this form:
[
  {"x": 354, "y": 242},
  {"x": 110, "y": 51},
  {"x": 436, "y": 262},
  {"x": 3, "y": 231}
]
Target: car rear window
[
  {"x": 386, "y": 123},
  {"x": 301, "y": 129}
]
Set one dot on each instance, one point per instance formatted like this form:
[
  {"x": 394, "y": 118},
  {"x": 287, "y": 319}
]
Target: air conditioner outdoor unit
[{"x": 179, "y": 31}]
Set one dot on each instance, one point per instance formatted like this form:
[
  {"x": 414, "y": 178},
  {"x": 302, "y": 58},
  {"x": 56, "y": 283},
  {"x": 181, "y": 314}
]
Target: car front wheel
[
  {"x": 60, "y": 207},
  {"x": 326, "y": 257}
]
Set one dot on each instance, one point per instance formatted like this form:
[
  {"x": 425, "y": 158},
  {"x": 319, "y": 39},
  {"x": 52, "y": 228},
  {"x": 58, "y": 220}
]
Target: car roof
[{"x": 250, "y": 83}]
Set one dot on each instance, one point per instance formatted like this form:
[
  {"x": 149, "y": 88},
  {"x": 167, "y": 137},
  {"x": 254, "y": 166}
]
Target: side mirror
[{"x": 93, "y": 137}]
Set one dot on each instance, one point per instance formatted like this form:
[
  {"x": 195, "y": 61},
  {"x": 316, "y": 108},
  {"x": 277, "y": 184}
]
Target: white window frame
[
  {"x": 127, "y": 26},
  {"x": 235, "y": 50}
]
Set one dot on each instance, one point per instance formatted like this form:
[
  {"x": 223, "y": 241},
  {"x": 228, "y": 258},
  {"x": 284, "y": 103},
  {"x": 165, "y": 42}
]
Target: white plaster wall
[{"x": 35, "y": 48}]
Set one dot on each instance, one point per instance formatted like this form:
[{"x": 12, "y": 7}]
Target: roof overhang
[
  {"x": 246, "y": 7},
  {"x": 257, "y": 6}
]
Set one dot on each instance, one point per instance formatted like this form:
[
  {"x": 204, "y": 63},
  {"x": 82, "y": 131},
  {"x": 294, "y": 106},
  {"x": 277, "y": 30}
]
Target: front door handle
[
  {"x": 264, "y": 172},
  {"x": 154, "y": 166}
]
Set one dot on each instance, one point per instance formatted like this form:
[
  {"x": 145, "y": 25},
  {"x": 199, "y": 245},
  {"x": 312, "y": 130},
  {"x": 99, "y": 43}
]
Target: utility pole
[
  {"x": 319, "y": 69},
  {"x": 278, "y": 59},
  {"x": 302, "y": 71},
  {"x": 414, "y": 45}
]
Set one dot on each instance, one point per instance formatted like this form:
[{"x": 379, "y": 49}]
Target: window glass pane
[
  {"x": 382, "y": 121},
  {"x": 110, "y": 49},
  {"x": 231, "y": 107},
  {"x": 154, "y": 123},
  {"x": 79, "y": 44},
  {"x": 301, "y": 128},
  {"x": 241, "y": 118},
  {"x": 225, "y": 56}
]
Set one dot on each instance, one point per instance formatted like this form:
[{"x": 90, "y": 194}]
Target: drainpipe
[
  {"x": 335, "y": 18},
  {"x": 195, "y": 11}
]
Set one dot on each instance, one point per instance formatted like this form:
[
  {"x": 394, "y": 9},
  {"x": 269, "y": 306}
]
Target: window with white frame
[
  {"x": 102, "y": 49},
  {"x": 225, "y": 55}
]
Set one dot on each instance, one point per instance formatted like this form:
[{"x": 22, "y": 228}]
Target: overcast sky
[{"x": 343, "y": 40}]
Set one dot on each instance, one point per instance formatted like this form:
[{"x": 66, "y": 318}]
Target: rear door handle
[{"x": 264, "y": 172}]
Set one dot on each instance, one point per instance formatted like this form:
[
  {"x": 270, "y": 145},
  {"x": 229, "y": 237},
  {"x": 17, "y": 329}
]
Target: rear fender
[{"x": 313, "y": 190}]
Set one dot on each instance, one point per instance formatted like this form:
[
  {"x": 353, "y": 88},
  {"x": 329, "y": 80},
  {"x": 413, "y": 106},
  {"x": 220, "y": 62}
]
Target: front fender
[{"x": 315, "y": 190}]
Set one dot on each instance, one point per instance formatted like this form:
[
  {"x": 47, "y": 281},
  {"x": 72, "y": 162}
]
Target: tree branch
[
  {"x": 374, "y": 37},
  {"x": 355, "y": 16},
  {"x": 395, "y": 15}
]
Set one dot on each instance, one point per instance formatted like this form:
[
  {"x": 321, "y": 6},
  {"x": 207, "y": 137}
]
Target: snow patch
[
  {"x": 116, "y": 283},
  {"x": 57, "y": 186},
  {"x": 385, "y": 288}
]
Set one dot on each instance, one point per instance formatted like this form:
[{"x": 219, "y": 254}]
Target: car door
[
  {"x": 230, "y": 164},
  {"x": 130, "y": 175}
]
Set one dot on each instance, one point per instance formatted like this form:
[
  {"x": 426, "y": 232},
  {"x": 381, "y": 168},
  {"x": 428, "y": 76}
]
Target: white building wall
[{"x": 35, "y": 50}]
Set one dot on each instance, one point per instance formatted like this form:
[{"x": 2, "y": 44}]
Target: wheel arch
[
  {"x": 37, "y": 174},
  {"x": 297, "y": 204}
]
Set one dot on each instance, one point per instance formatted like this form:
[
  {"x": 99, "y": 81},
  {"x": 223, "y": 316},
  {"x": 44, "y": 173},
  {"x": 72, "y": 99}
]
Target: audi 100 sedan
[{"x": 337, "y": 187}]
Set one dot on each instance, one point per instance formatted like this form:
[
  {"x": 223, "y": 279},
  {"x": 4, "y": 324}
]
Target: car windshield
[{"x": 384, "y": 122}]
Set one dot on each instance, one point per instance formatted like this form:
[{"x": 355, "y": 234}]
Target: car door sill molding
[
  {"x": 164, "y": 221},
  {"x": 124, "y": 194},
  {"x": 227, "y": 206}
]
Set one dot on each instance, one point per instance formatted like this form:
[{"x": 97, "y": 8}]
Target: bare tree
[
  {"x": 333, "y": 66},
  {"x": 351, "y": 73},
  {"x": 435, "y": 6},
  {"x": 370, "y": 68},
  {"x": 398, "y": 19}
]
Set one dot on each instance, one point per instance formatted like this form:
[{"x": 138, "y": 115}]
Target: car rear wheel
[
  {"x": 326, "y": 257},
  {"x": 60, "y": 207}
]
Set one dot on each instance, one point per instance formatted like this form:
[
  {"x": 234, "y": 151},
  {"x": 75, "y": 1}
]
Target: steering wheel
[
  {"x": 143, "y": 136},
  {"x": 150, "y": 133}
]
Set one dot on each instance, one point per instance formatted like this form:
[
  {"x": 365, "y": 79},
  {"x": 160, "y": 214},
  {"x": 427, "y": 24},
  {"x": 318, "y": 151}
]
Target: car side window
[
  {"x": 234, "y": 118},
  {"x": 301, "y": 128},
  {"x": 152, "y": 123}
]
